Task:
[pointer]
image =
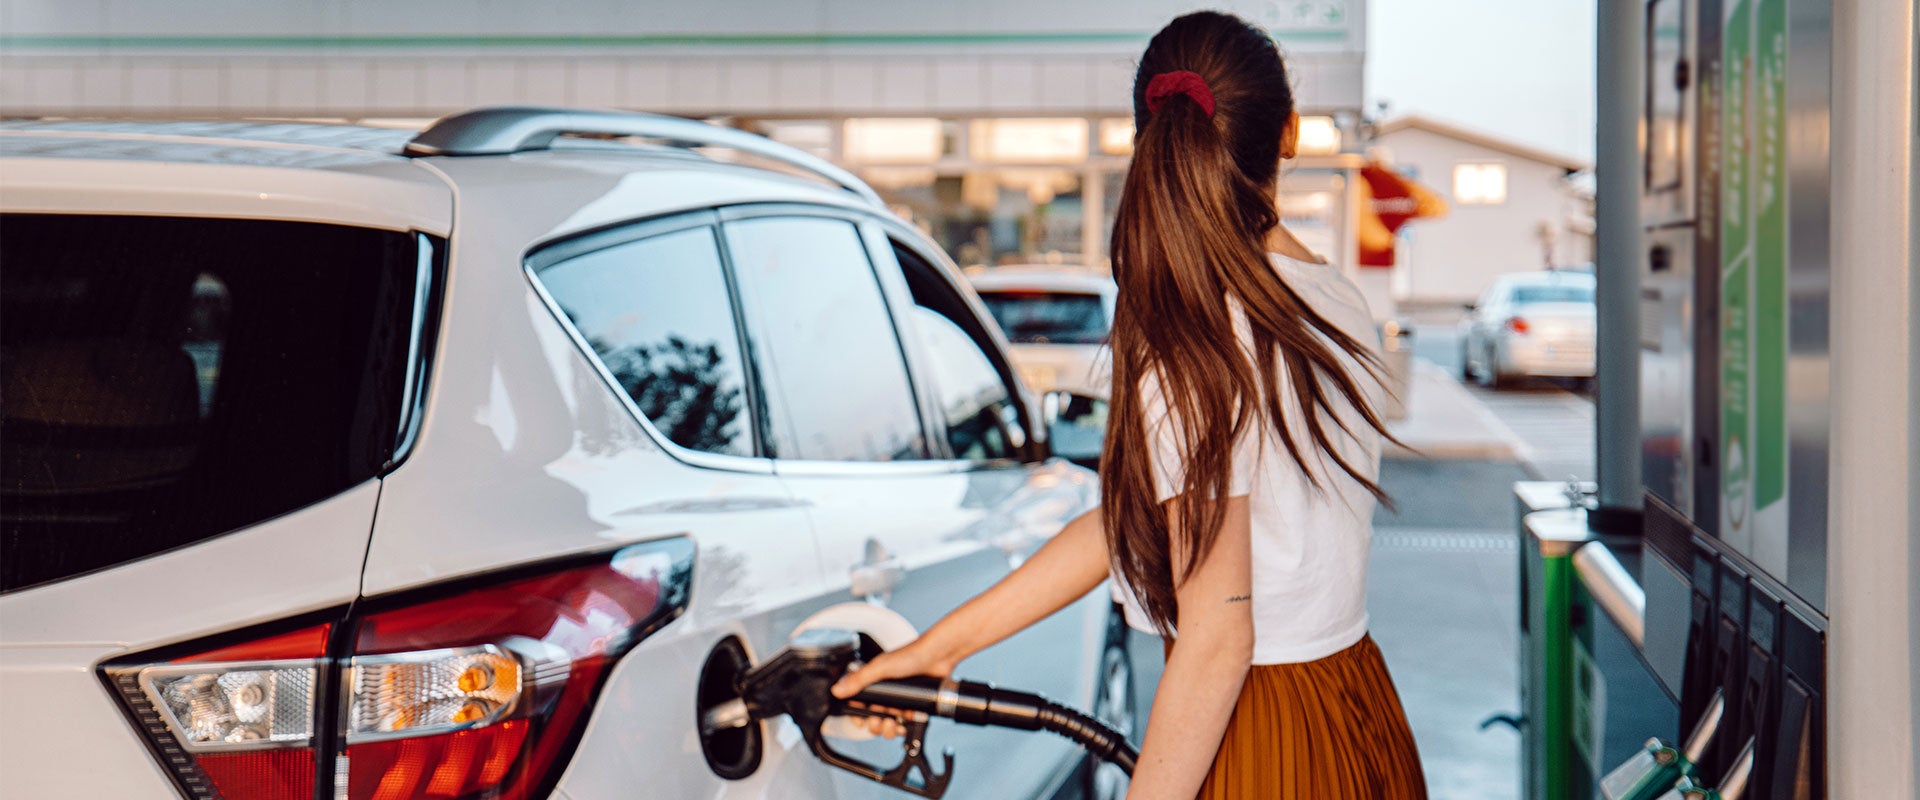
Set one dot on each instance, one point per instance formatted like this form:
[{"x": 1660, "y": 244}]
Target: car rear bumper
[
  {"x": 1077, "y": 368},
  {"x": 1556, "y": 359}
]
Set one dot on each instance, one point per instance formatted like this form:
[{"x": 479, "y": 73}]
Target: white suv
[{"x": 340, "y": 463}]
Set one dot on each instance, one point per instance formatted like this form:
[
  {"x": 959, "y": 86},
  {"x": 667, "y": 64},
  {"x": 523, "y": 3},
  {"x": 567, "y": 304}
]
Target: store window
[
  {"x": 1480, "y": 184},
  {"x": 1318, "y": 136},
  {"x": 1028, "y": 141},
  {"x": 894, "y": 141},
  {"x": 1116, "y": 136},
  {"x": 990, "y": 216},
  {"x": 991, "y": 191},
  {"x": 814, "y": 136},
  {"x": 1309, "y": 207}
]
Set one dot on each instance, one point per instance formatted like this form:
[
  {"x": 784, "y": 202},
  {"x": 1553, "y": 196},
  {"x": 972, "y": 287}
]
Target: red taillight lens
[
  {"x": 469, "y": 763},
  {"x": 264, "y": 773},
  {"x": 1517, "y": 324},
  {"x": 478, "y": 692},
  {"x": 308, "y": 642}
]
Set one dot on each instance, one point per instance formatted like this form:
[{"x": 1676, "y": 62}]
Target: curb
[{"x": 1494, "y": 442}]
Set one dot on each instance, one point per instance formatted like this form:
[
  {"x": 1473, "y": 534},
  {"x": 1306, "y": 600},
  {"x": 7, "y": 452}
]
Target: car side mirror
[{"x": 1076, "y": 426}]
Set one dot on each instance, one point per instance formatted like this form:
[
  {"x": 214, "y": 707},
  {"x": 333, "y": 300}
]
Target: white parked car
[
  {"x": 1530, "y": 324},
  {"x": 1057, "y": 319},
  {"x": 475, "y": 464}
]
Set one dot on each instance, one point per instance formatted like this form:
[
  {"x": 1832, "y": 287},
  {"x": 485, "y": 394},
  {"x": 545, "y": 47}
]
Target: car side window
[
  {"x": 658, "y": 316},
  {"x": 978, "y": 408},
  {"x": 979, "y": 413},
  {"x": 836, "y": 380}
]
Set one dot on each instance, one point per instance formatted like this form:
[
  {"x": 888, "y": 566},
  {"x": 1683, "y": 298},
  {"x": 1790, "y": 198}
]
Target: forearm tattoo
[{"x": 1240, "y": 598}]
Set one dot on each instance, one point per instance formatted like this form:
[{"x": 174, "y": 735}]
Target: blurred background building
[
  {"x": 1001, "y": 127},
  {"x": 1512, "y": 207}
]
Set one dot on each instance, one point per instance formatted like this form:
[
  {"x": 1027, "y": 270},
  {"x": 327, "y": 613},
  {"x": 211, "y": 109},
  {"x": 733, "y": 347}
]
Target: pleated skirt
[{"x": 1331, "y": 729}]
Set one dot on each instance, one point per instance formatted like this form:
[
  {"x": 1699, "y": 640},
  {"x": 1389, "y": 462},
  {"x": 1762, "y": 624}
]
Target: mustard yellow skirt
[{"x": 1331, "y": 729}]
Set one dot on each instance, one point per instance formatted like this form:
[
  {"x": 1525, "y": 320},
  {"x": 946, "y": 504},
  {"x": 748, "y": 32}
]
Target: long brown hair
[{"x": 1190, "y": 234}]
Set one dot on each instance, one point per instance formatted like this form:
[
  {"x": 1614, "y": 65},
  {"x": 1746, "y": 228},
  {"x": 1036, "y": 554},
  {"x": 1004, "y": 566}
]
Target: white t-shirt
[{"x": 1309, "y": 544}]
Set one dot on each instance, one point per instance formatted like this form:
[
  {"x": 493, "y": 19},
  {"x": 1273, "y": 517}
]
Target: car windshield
[
  {"x": 166, "y": 380},
  {"x": 1561, "y": 293},
  {"x": 1048, "y": 317}
]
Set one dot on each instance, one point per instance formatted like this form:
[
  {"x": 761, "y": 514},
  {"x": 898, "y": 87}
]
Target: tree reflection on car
[{"x": 677, "y": 384}]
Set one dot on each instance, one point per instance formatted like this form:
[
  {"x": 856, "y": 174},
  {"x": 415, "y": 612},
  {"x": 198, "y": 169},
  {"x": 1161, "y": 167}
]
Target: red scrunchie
[{"x": 1168, "y": 84}]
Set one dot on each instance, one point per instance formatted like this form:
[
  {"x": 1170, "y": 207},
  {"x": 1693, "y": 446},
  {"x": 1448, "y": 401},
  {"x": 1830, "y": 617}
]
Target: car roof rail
[{"x": 499, "y": 130}]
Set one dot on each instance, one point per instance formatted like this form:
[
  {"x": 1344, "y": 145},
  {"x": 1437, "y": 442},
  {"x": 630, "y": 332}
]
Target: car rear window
[
  {"x": 166, "y": 380},
  {"x": 1552, "y": 294},
  {"x": 1048, "y": 317}
]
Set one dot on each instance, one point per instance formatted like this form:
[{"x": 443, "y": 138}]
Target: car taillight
[
  {"x": 479, "y": 691},
  {"x": 1517, "y": 324},
  {"x": 235, "y": 721}
]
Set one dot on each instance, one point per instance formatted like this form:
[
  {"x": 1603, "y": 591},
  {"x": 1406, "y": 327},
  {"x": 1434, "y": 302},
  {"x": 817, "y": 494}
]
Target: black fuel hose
[{"x": 974, "y": 703}]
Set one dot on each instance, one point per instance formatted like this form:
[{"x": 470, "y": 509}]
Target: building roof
[
  {"x": 265, "y": 141},
  {"x": 1481, "y": 139}
]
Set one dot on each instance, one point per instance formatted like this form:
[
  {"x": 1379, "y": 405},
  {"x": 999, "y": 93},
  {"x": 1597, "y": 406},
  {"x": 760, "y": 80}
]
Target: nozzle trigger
[{"x": 913, "y": 758}]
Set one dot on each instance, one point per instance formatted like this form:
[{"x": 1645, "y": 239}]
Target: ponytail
[{"x": 1189, "y": 251}]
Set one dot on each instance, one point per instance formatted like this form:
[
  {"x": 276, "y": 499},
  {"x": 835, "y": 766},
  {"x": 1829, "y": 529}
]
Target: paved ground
[
  {"x": 1442, "y": 594},
  {"x": 1552, "y": 423},
  {"x": 1446, "y": 422},
  {"x": 1555, "y": 428},
  {"x": 1443, "y": 590},
  {"x": 1444, "y": 613},
  {"x": 1453, "y": 495}
]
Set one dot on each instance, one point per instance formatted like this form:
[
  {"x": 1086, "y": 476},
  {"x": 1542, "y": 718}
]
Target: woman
[{"x": 1238, "y": 483}]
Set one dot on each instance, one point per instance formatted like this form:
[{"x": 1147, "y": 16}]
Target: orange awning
[{"x": 1390, "y": 201}]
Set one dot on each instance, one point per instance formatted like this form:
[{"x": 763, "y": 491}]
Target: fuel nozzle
[{"x": 796, "y": 682}]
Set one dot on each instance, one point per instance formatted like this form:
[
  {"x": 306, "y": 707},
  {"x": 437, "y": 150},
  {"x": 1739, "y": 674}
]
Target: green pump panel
[{"x": 1729, "y": 559}]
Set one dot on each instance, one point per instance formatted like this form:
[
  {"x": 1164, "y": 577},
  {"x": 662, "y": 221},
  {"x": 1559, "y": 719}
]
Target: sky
[{"x": 1522, "y": 69}]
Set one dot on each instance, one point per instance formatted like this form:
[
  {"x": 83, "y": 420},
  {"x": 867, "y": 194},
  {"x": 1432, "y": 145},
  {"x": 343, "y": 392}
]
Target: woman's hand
[
  {"x": 920, "y": 657},
  {"x": 1067, "y": 567}
]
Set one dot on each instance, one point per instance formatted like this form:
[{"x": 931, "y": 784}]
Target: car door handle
[
  {"x": 876, "y": 582},
  {"x": 877, "y": 575}
]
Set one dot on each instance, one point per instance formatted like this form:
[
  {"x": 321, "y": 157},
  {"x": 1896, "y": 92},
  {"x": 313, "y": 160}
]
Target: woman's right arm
[{"x": 1065, "y": 569}]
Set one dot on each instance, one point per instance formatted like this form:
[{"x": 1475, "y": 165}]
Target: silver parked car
[
  {"x": 342, "y": 461},
  {"x": 1057, "y": 319},
  {"x": 1530, "y": 324}
]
